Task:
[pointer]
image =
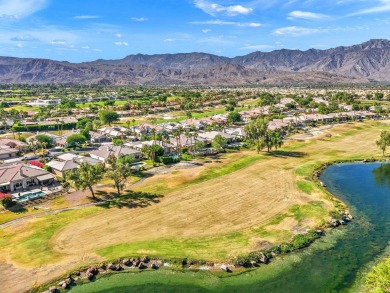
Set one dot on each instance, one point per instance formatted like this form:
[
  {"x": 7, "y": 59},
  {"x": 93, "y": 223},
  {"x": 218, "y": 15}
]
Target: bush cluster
[
  {"x": 37, "y": 127},
  {"x": 299, "y": 241}
]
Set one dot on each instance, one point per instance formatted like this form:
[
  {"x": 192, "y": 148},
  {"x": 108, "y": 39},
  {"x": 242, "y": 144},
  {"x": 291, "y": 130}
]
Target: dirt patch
[{"x": 174, "y": 167}]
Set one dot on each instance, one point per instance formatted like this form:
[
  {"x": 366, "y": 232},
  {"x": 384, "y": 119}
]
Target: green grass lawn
[{"x": 32, "y": 247}]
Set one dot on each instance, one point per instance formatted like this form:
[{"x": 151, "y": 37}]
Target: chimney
[{"x": 20, "y": 171}]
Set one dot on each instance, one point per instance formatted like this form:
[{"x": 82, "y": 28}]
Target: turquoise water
[
  {"x": 332, "y": 264},
  {"x": 31, "y": 195}
]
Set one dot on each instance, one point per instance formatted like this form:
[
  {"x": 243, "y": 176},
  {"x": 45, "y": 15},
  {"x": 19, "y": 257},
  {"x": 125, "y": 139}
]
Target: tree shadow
[
  {"x": 17, "y": 208},
  {"x": 286, "y": 154},
  {"x": 132, "y": 199}
]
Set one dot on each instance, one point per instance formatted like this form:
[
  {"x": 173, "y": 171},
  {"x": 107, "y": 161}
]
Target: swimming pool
[
  {"x": 30, "y": 195},
  {"x": 137, "y": 166}
]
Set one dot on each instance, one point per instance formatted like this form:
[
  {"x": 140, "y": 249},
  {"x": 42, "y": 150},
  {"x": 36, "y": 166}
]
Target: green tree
[
  {"x": 154, "y": 150},
  {"x": 86, "y": 176},
  {"x": 83, "y": 122},
  {"x": 75, "y": 140},
  {"x": 85, "y": 133},
  {"x": 118, "y": 142},
  {"x": 255, "y": 132},
  {"x": 234, "y": 117},
  {"x": 219, "y": 142},
  {"x": 108, "y": 116},
  {"x": 273, "y": 139},
  {"x": 43, "y": 138},
  {"x": 119, "y": 170},
  {"x": 384, "y": 141}
]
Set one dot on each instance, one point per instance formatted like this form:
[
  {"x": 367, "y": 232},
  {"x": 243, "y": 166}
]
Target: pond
[{"x": 332, "y": 264}]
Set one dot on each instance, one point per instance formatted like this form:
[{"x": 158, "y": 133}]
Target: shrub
[
  {"x": 7, "y": 201},
  {"x": 165, "y": 160},
  {"x": 187, "y": 157},
  {"x": 276, "y": 249},
  {"x": 286, "y": 247},
  {"x": 37, "y": 127},
  {"x": 242, "y": 261},
  {"x": 254, "y": 256}
]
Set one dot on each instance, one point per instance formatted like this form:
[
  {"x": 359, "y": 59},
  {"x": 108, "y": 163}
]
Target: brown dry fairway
[
  {"x": 237, "y": 202},
  {"x": 212, "y": 219}
]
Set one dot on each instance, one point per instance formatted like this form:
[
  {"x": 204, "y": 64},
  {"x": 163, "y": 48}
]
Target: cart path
[{"x": 22, "y": 219}]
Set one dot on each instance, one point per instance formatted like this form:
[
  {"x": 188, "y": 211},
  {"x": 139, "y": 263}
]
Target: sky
[{"x": 86, "y": 30}]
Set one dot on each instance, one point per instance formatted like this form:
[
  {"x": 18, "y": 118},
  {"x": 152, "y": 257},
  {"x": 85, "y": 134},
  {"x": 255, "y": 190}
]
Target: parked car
[{"x": 30, "y": 157}]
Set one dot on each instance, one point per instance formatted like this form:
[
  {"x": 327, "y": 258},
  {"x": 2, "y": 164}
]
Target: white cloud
[
  {"x": 24, "y": 38},
  {"x": 139, "y": 19},
  {"x": 86, "y": 17},
  {"x": 19, "y": 45},
  {"x": 383, "y": 7},
  {"x": 221, "y": 22},
  {"x": 121, "y": 44},
  {"x": 296, "y": 31},
  {"x": 97, "y": 50},
  {"x": 205, "y": 31},
  {"x": 307, "y": 15},
  {"x": 169, "y": 40},
  {"x": 257, "y": 47},
  {"x": 118, "y": 36},
  {"x": 214, "y": 9},
  {"x": 17, "y": 9},
  {"x": 58, "y": 42},
  {"x": 85, "y": 47}
]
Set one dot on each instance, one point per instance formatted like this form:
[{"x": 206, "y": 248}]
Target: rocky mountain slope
[{"x": 369, "y": 61}]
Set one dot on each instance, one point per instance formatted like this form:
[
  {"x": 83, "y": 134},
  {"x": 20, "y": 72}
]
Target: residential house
[
  {"x": 210, "y": 135},
  {"x": 97, "y": 137},
  {"x": 238, "y": 132},
  {"x": 113, "y": 131},
  {"x": 14, "y": 144},
  {"x": 106, "y": 151},
  {"x": 185, "y": 141},
  {"x": 68, "y": 161},
  {"x": 169, "y": 148},
  {"x": 19, "y": 176},
  {"x": 193, "y": 123},
  {"x": 8, "y": 153}
]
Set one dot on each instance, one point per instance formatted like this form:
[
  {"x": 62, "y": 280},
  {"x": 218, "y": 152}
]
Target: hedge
[{"x": 37, "y": 127}]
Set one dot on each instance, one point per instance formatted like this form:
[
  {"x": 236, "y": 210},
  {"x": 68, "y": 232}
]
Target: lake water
[{"x": 332, "y": 264}]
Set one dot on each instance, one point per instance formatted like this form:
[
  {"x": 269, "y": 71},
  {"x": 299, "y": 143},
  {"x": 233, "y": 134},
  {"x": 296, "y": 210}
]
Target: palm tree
[
  {"x": 44, "y": 145},
  {"x": 33, "y": 144}
]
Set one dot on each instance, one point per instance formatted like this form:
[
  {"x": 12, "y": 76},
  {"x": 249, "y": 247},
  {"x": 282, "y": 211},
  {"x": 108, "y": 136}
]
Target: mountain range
[{"x": 363, "y": 63}]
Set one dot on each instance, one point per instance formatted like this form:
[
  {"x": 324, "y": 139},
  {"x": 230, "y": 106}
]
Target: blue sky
[{"x": 86, "y": 30}]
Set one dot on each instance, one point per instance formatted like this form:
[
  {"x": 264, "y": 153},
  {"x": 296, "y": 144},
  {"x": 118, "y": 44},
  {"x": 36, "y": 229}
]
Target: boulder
[
  {"x": 53, "y": 289},
  {"x": 90, "y": 276},
  {"x": 93, "y": 270},
  {"x": 112, "y": 267},
  {"x": 145, "y": 259},
  {"x": 136, "y": 262},
  {"x": 142, "y": 266},
  {"x": 154, "y": 266},
  {"x": 118, "y": 268},
  {"x": 76, "y": 273},
  {"x": 68, "y": 281},
  {"x": 127, "y": 262},
  {"x": 263, "y": 258}
]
